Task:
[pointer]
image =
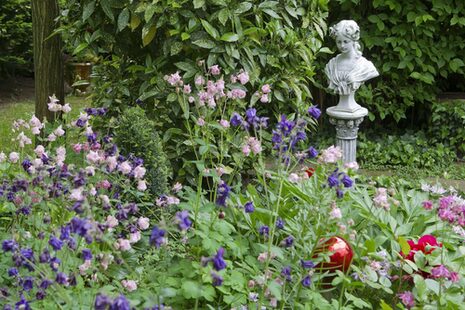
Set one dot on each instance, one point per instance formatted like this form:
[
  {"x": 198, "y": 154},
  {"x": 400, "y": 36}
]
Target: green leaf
[
  {"x": 405, "y": 247},
  {"x": 148, "y": 33},
  {"x": 123, "y": 19},
  {"x": 88, "y": 10},
  {"x": 208, "y": 292},
  {"x": 149, "y": 12},
  {"x": 204, "y": 43},
  {"x": 432, "y": 285},
  {"x": 243, "y": 7},
  {"x": 107, "y": 9},
  {"x": 191, "y": 289},
  {"x": 210, "y": 29},
  {"x": 223, "y": 16},
  {"x": 229, "y": 37},
  {"x": 198, "y": 4},
  {"x": 385, "y": 306},
  {"x": 272, "y": 13},
  {"x": 80, "y": 48},
  {"x": 135, "y": 21}
]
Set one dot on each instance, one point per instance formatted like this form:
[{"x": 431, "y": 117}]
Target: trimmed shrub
[{"x": 136, "y": 135}]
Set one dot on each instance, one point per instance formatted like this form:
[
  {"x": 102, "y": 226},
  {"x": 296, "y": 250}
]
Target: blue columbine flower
[
  {"x": 40, "y": 295},
  {"x": 279, "y": 223},
  {"x": 45, "y": 284},
  {"x": 157, "y": 237},
  {"x": 288, "y": 242},
  {"x": 22, "y": 304},
  {"x": 9, "y": 245},
  {"x": 285, "y": 125},
  {"x": 314, "y": 111},
  {"x": 307, "y": 281},
  {"x": 217, "y": 280},
  {"x": 56, "y": 243},
  {"x": 223, "y": 193},
  {"x": 236, "y": 119},
  {"x": 182, "y": 218},
  {"x": 27, "y": 254},
  {"x": 55, "y": 263},
  {"x": 339, "y": 193},
  {"x": 218, "y": 262},
  {"x": 13, "y": 272},
  {"x": 86, "y": 254},
  {"x": 307, "y": 264},
  {"x": 347, "y": 181},
  {"x": 61, "y": 278},
  {"x": 312, "y": 152},
  {"x": 26, "y": 164},
  {"x": 120, "y": 303},
  {"x": 286, "y": 272},
  {"x": 102, "y": 302},
  {"x": 264, "y": 230},
  {"x": 28, "y": 283},
  {"x": 249, "y": 207},
  {"x": 333, "y": 180},
  {"x": 44, "y": 257}
]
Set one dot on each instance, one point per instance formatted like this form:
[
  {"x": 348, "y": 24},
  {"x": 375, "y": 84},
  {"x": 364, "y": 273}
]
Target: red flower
[
  {"x": 424, "y": 242},
  {"x": 310, "y": 171}
]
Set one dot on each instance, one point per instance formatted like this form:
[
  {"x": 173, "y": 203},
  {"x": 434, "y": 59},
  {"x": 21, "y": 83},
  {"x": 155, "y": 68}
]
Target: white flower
[
  {"x": 93, "y": 157},
  {"x": 39, "y": 150},
  {"x": 134, "y": 237},
  {"x": 66, "y": 108},
  {"x": 59, "y": 131},
  {"x": 141, "y": 185},
  {"x": 294, "y": 178},
  {"x": 111, "y": 221},
  {"x": 2, "y": 157},
  {"x": 177, "y": 187},
  {"x": 76, "y": 194},
  {"x": 139, "y": 172},
  {"x": 125, "y": 167},
  {"x": 143, "y": 223},
  {"x": 130, "y": 285},
  {"x": 14, "y": 157}
]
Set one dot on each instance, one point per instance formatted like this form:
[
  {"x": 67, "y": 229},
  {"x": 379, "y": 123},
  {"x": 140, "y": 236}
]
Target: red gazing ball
[{"x": 341, "y": 257}]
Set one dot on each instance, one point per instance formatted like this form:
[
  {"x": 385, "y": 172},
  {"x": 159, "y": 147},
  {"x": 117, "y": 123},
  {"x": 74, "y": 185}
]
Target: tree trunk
[{"x": 48, "y": 59}]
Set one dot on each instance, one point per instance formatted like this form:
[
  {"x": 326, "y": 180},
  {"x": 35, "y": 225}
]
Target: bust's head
[{"x": 346, "y": 33}]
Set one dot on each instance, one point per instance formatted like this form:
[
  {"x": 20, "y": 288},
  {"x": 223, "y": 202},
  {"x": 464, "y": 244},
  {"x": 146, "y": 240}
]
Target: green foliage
[
  {"x": 417, "y": 47},
  {"x": 448, "y": 124},
  {"x": 276, "y": 42},
  {"x": 409, "y": 150},
  {"x": 137, "y": 135},
  {"x": 15, "y": 37}
]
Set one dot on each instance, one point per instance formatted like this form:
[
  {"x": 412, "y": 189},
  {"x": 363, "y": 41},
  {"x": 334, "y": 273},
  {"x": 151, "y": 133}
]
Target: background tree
[{"x": 48, "y": 60}]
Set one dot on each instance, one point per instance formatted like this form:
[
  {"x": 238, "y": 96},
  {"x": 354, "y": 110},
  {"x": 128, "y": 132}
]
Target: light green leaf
[
  {"x": 88, "y": 10},
  {"x": 223, "y": 16},
  {"x": 107, "y": 9},
  {"x": 204, "y": 43},
  {"x": 198, "y": 3},
  {"x": 135, "y": 21},
  {"x": 229, "y": 37},
  {"x": 123, "y": 19},
  {"x": 210, "y": 29},
  {"x": 243, "y": 7},
  {"x": 148, "y": 33},
  {"x": 149, "y": 12},
  {"x": 191, "y": 289}
]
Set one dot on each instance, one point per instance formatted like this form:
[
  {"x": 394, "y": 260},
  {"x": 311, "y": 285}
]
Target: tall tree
[{"x": 48, "y": 59}]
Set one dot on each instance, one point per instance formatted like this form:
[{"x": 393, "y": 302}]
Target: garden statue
[{"x": 346, "y": 73}]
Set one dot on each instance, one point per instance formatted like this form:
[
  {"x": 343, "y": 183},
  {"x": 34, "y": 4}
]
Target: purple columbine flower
[
  {"x": 45, "y": 284},
  {"x": 40, "y": 295},
  {"x": 56, "y": 243},
  {"x": 26, "y": 164},
  {"x": 157, "y": 237},
  {"x": 86, "y": 254},
  {"x": 333, "y": 180},
  {"x": 61, "y": 278},
  {"x": 307, "y": 281},
  {"x": 27, "y": 254},
  {"x": 217, "y": 279},
  {"x": 279, "y": 223},
  {"x": 28, "y": 283},
  {"x": 55, "y": 263},
  {"x": 222, "y": 194},
  {"x": 102, "y": 302},
  {"x": 182, "y": 218},
  {"x": 22, "y": 304},
  {"x": 249, "y": 207},
  {"x": 307, "y": 264},
  {"x": 339, "y": 193},
  {"x": 13, "y": 272},
  {"x": 286, "y": 272},
  {"x": 288, "y": 242},
  {"x": 264, "y": 230},
  {"x": 314, "y": 111},
  {"x": 236, "y": 119},
  {"x": 9, "y": 245},
  {"x": 65, "y": 232},
  {"x": 407, "y": 299},
  {"x": 312, "y": 152},
  {"x": 252, "y": 118},
  {"x": 347, "y": 181},
  {"x": 218, "y": 262},
  {"x": 120, "y": 303}
]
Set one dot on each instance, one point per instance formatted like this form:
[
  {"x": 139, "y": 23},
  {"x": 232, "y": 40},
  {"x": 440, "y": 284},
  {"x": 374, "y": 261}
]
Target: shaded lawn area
[{"x": 12, "y": 111}]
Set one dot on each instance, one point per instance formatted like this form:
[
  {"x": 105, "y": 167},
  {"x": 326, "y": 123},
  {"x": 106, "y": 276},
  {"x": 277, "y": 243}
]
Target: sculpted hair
[{"x": 348, "y": 29}]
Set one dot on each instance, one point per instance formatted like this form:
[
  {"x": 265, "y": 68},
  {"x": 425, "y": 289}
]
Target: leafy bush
[
  {"x": 16, "y": 37},
  {"x": 417, "y": 48},
  {"x": 409, "y": 150},
  {"x": 448, "y": 124},
  {"x": 136, "y": 135},
  {"x": 276, "y": 42}
]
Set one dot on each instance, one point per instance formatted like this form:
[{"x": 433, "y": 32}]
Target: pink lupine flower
[
  {"x": 174, "y": 79},
  {"x": 266, "y": 89},
  {"x": 111, "y": 221},
  {"x": 335, "y": 213},
  {"x": 187, "y": 89},
  {"x": 125, "y": 167},
  {"x": 246, "y": 149},
  {"x": 264, "y": 98},
  {"x": 141, "y": 185},
  {"x": 407, "y": 299},
  {"x": 427, "y": 205},
  {"x": 243, "y": 77},
  {"x": 139, "y": 172},
  {"x": 143, "y": 223},
  {"x": 14, "y": 157},
  {"x": 130, "y": 285},
  {"x": 215, "y": 70}
]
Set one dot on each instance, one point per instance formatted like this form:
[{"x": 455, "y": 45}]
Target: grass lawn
[{"x": 24, "y": 110}]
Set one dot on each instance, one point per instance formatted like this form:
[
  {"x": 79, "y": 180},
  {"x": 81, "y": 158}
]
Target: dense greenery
[
  {"x": 15, "y": 37},
  {"x": 276, "y": 42},
  {"x": 416, "y": 45},
  {"x": 136, "y": 135}
]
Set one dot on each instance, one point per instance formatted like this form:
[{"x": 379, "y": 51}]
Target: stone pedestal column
[{"x": 346, "y": 124}]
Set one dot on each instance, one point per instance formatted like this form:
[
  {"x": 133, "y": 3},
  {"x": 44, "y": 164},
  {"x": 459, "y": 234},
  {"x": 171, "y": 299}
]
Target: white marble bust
[{"x": 349, "y": 70}]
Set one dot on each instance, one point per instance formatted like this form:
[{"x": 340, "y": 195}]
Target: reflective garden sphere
[{"x": 340, "y": 251}]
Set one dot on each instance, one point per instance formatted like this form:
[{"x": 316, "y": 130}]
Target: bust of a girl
[{"x": 349, "y": 70}]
